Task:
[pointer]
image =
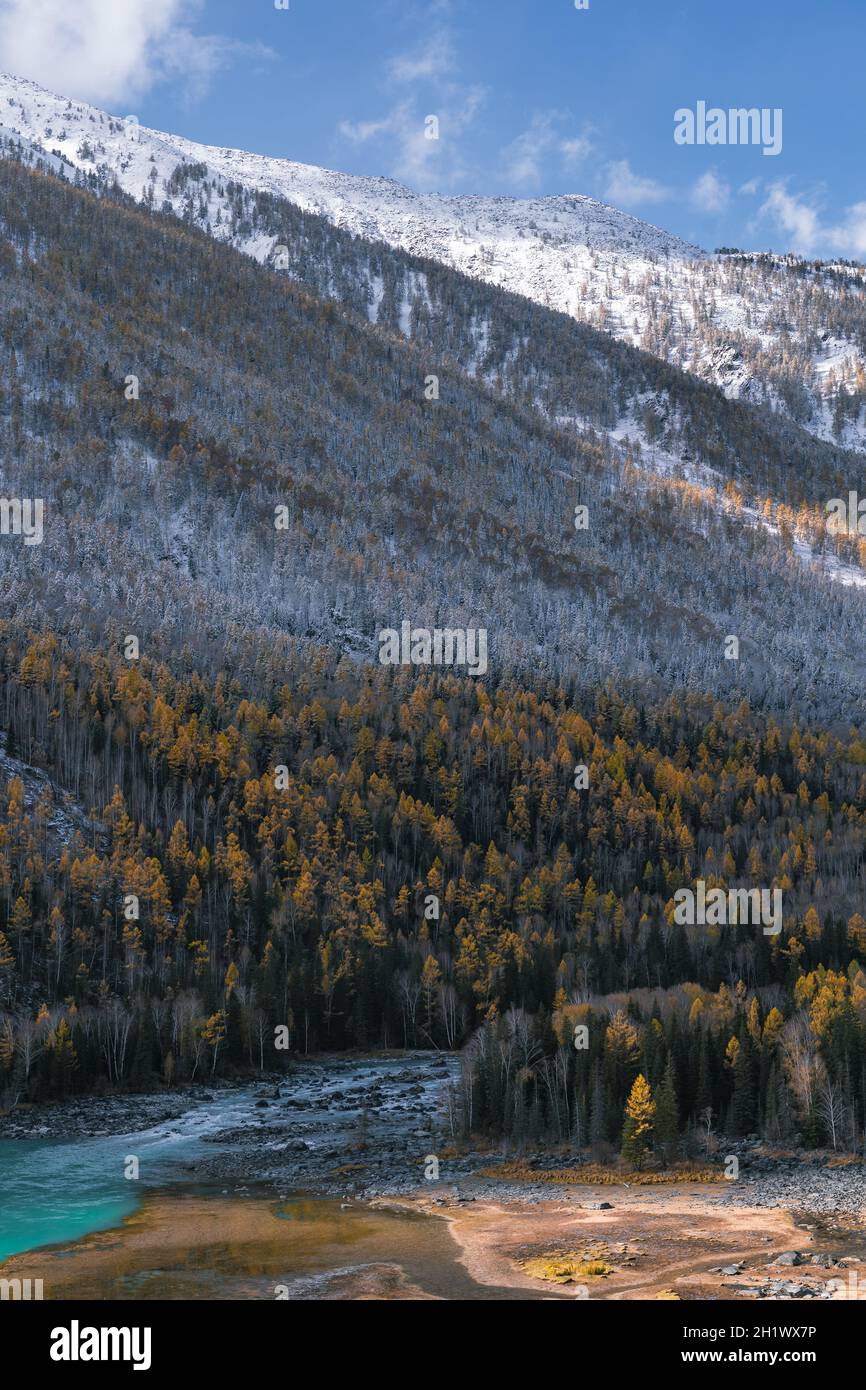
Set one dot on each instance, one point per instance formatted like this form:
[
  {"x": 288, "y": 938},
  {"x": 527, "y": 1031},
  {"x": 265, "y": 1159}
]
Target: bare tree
[
  {"x": 831, "y": 1108},
  {"x": 706, "y": 1119}
]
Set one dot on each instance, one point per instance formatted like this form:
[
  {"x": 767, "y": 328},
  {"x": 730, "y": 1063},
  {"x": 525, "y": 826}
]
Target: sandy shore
[
  {"x": 213, "y": 1246},
  {"x": 651, "y": 1245},
  {"x": 206, "y": 1246},
  {"x": 655, "y": 1244}
]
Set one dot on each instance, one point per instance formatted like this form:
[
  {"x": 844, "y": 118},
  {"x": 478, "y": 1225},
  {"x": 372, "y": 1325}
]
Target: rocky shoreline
[
  {"x": 335, "y": 1125},
  {"x": 91, "y": 1117},
  {"x": 381, "y": 1126},
  {"x": 341, "y": 1127}
]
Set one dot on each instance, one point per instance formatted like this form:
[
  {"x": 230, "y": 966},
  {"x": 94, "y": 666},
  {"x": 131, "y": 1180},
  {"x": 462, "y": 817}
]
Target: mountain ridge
[
  {"x": 254, "y": 394},
  {"x": 784, "y": 332}
]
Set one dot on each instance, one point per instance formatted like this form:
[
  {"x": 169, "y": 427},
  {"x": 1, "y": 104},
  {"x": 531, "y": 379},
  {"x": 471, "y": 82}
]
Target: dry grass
[
  {"x": 567, "y": 1267},
  {"x": 594, "y": 1175}
]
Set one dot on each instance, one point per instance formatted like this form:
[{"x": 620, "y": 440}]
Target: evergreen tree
[
  {"x": 744, "y": 1106},
  {"x": 598, "y": 1114},
  {"x": 637, "y": 1131},
  {"x": 667, "y": 1125}
]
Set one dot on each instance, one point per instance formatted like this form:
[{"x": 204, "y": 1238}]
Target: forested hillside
[
  {"x": 578, "y": 378},
  {"x": 274, "y": 832},
  {"x": 773, "y": 330},
  {"x": 252, "y": 395},
  {"x": 371, "y": 860}
]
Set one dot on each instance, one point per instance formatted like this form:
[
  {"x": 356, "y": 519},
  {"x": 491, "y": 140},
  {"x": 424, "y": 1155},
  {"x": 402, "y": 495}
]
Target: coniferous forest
[
  {"x": 432, "y": 671},
  {"x": 241, "y": 840},
  {"x": 426, "y": 875}
]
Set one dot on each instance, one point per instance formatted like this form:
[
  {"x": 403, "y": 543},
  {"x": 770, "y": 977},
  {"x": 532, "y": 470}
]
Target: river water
[
  {"x": 58, "y": 1190},
  {"x": 70, "y": 1216}
]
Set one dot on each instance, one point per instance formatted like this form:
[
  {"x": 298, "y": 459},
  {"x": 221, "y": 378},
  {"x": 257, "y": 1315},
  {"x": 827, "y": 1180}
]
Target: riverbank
[
  {"x": 380, "y": 1125},
  {"x": 98, "y": 1116},
  {"x": 340, "y": 1125},
  {"x": 659, "y": 1245},
  {"x": 203, "y": 1245},
  {"x": 654, "y": 1244},
  {"x": 344, "y": 1178}
]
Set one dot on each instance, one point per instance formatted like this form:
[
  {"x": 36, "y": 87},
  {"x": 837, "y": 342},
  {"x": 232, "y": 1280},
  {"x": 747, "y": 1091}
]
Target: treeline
[{"x": 666, "y": 1072}]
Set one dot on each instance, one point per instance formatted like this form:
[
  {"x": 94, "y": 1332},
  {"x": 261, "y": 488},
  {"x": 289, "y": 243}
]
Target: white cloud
[
  {"x": 432, "y": 60},
  {"x": 359, "y": 132},
  {"x": 404, "y": 130},
  {"x": 575, "y": 151},
  {"x": 710, "y": 194},
  {"x": 751, "y": 187},
  {"x": 199, "y": 58},
  {"x": 526, "y": 157},
  {"x": 802, "y": 222},
  {"x": 415, "y": 157},
  {"x": 794, "y": 216},
  {"x": 107, "y": 50},
  {"x": 626, "y": 189},
  {"x": 850, "y": 235},
  {"x": 427, "y": 163}
]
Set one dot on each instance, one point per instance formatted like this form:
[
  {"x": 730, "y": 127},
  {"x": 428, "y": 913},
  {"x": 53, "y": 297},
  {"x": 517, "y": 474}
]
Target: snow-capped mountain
[
  {"x": 536, "y": 247},
  {"x": 770, "y": 329},
  {"x": 220, "y": 449}
]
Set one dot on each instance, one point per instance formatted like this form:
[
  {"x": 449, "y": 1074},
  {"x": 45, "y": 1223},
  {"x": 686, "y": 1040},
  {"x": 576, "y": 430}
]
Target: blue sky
[{"x": 531, "y": 96}]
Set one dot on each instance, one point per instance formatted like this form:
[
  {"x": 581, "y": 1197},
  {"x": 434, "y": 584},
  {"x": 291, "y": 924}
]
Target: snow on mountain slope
[
  {"x": 772, "y": 329},
  {"x": 496, "y": 239}
]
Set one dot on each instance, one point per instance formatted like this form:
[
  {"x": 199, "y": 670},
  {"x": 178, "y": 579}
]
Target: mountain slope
[
  {"x": 456, "y": 512},
  {"x": 777, "y": 330},
  {"x": 579, "y": 378}
]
